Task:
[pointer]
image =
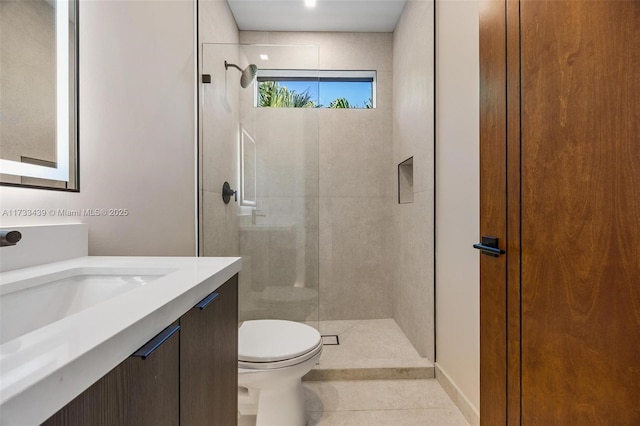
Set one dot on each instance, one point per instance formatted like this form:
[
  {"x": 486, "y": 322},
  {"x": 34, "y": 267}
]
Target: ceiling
[{"x": 327, "y": 15}]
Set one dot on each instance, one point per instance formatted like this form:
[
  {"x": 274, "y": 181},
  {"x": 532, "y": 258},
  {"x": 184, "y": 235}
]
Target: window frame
[{"x": 319, "y": 75}]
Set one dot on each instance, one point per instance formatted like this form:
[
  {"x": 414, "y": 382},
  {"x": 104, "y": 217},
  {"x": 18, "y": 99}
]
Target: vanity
[{"x": 119, "y": 340}]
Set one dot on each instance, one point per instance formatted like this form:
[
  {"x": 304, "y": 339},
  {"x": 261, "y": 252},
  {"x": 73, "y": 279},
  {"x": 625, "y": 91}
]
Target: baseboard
[{"x": 459, "y": 399}]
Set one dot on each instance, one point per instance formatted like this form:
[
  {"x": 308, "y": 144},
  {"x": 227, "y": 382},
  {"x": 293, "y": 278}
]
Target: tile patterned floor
[
  {"x": 369, "y": 349},
  {"x": 407, "y": 396},
  {"x": 380, "y": 403}
]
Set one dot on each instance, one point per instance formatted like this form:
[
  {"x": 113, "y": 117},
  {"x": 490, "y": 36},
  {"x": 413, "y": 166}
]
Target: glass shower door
[{"x": 270, "y": 157}]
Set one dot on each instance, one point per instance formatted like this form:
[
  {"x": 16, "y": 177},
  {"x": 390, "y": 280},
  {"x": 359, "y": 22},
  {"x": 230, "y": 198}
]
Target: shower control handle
[{"x": 227, "y": 192}]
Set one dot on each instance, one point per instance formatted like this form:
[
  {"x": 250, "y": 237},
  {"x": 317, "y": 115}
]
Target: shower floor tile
[{"x": 369, "y": 350}]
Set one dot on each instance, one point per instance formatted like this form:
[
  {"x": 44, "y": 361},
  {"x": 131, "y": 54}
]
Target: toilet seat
[{"x": 266, "y": 344}]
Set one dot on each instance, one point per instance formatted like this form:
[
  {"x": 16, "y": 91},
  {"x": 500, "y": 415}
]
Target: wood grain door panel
[
  {"x": 560, "y": 103},
  {"x": 580, "y": 212},
  {"x": 209, "y": 361},
  {"x": 493, "y": 220},
  {"x": 138, "y": 392}
]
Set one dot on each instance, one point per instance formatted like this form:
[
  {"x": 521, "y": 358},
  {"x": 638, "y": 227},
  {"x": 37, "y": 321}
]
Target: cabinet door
[
  {"x": 209, "y": 361},
  {"x": 138, "y": 392}
]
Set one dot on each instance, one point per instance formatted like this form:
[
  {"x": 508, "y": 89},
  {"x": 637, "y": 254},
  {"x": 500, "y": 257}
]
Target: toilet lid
[{"x": 275, "y": 340}]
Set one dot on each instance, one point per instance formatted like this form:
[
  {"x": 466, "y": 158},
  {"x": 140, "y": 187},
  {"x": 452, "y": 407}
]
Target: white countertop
[{"x": 43, "y": 370}]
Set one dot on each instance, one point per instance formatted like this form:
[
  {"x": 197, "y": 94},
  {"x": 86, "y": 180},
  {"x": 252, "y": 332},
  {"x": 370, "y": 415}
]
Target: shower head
[{"x": 248, "y": 74}]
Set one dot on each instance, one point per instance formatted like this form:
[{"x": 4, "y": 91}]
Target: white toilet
[{"x": 273, "y": 355}]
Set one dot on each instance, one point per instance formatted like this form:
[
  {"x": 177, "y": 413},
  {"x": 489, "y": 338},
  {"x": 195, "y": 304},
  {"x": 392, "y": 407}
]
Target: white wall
[
  {"x": 137, "y": 131},
  {"x": 457, "y": 196}
]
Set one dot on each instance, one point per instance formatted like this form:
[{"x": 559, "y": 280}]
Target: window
[{"x": 315, "y": 89}]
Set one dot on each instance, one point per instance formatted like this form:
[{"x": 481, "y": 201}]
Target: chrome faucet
[
  {"x": 254, "y": 214},
  {"x": 9, "y": 238}
]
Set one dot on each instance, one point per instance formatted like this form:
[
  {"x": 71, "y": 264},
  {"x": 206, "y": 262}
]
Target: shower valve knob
[{"x": 227, "y": 192}]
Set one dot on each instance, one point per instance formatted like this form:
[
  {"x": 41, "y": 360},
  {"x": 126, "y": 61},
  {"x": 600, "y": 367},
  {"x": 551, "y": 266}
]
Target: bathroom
[{"x": 372, "y": 258}]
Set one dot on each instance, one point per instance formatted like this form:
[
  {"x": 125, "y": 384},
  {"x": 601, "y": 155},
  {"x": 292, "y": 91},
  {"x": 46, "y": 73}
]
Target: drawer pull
[
  {"x": 205, "y": 302},
  {"x": 155, "y": 343}
]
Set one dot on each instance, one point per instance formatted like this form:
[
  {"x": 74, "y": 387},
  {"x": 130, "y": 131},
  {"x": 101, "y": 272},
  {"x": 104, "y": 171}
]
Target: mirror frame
[{"x": 66, "y": 135}]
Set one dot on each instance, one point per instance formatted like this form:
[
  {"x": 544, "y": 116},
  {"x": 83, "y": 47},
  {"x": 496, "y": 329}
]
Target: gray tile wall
[
  {"x": 413, "y": 121},
  {"x": 219, "y": 227},
  {"x": 355, "y": 181}
]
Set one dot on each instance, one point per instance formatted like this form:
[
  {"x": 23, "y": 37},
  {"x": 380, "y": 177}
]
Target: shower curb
[{"x": 386, "y": 373}]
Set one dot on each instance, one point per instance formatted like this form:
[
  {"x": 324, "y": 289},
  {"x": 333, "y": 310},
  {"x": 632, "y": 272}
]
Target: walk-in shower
[{"x": 317, "y": 217}]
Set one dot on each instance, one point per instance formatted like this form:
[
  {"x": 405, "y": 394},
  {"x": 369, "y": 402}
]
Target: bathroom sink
[
  {"x": 29, "y": 304},
  {"x": 67, "y": 319}
]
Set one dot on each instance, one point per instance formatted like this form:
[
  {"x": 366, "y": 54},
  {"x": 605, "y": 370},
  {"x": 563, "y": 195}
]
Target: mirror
[
  {"x": 247, "y": 168},
  {"x": 38, "y": 94}
]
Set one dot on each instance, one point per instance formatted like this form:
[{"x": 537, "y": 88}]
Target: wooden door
[
  {"x": 493, "y": 213},
  {"x": 580, "y": 212},
  {"x": 571, "y": 279}
]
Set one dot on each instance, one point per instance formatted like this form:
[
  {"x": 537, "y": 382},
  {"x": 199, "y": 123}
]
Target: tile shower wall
[
  {"x": 219, "y": 231},
  {"x": 355, "y": 179},
  {"x": 413, "y": 115}
]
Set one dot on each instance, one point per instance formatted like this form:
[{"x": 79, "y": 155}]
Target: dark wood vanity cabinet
[
  {"x": 191, "y": 379},
  {"x": 209, "y": 361},
  {"x": 137, "y": 392}
]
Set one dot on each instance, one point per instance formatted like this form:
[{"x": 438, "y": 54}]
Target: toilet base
[{"x": 279, "y": 406}]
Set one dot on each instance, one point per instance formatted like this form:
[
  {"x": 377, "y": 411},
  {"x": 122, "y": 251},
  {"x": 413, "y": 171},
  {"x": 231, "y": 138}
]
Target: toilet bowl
[{"x": 273, "y": 355}]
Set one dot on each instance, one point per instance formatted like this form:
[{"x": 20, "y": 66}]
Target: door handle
[{"x": 489, "y": 246}]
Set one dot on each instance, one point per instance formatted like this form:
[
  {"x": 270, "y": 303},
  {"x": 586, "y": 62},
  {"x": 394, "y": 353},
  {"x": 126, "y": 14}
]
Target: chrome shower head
[{"x": 248, "y": 74}]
